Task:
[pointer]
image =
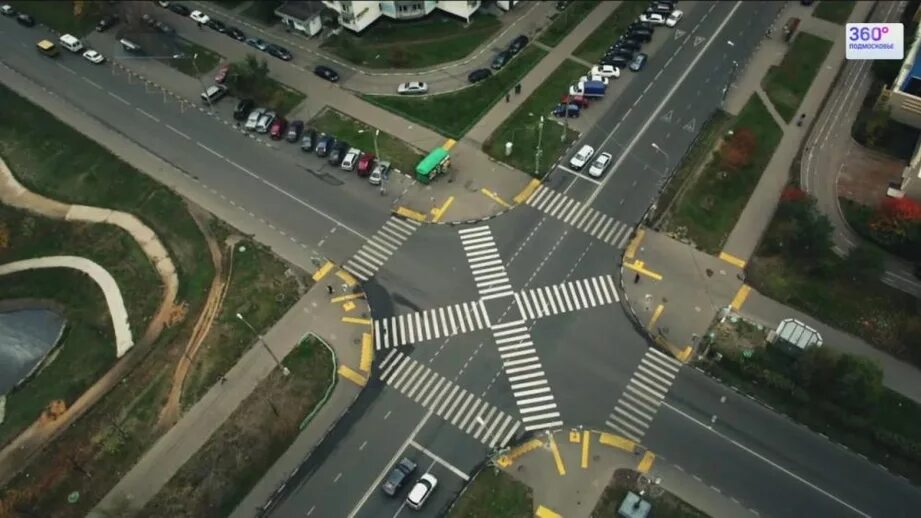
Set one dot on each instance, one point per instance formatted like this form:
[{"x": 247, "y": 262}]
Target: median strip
[
  {"x": 494, "y": 197},
  {"x": 352, "y": 376},
  {"x": 638, "y": 267},
  {"x": 411, "y": 214},
  {"x": 740, "y": 297},
  {"x": 646, "y": 462},
  {"x": 557, "y": 458},
  {"x": 616, "y": 441}
]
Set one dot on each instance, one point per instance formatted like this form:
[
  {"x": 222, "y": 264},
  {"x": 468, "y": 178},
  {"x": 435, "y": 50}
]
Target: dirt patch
[{"x": 866, "y": 174}]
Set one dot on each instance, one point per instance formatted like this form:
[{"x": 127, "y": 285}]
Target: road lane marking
[
  {"x": 352, "y": 376},
  {"x": 149, "y": 116},
  {"x": 646, "y": 462},
  {"x": 586, "y": 443},
  {"x": 543, "y": 512},
  {"x": 181, "y": 134},
  {"x": 92, "y": 83},
  {"x": 65, "y": 67},
  {"x": 119, "y": 98},
  {"x": 208, "y": 149},
  {"x": 733, "y": 260},
  {"x": 655, "y": 316},
  {"x": 557, "y": 458},
  {"x": 463, "y": 476}
]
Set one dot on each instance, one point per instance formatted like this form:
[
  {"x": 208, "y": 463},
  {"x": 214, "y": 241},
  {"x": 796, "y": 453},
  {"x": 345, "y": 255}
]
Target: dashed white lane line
[
  {"x": 181, "y": 134},
  {"x": 90, "y": 81},
  {"x": 208, "y": 149},
  {"x": 149, "y": 116},
  {"x": 126, "y": 103},
  {"x": 67, "y": 68}
]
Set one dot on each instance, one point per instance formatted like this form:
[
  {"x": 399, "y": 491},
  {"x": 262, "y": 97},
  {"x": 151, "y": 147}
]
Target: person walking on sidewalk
[{"x": 329, "y": 289}]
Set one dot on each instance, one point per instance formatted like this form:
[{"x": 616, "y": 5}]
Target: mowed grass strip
[
  {"x": 786, "y": 84},
  {"x": 197, "y": 61},
  {"x": 522, "y": 127},
  {"x": 837, "y": 11},
  {"x": 494, "y": 494},
  {"x": 359, "y": 135},
  {"x": 426, "y": 42},
  {"x": 61, "y": 15},
  {"x": 709, "y": 208},
  {"x": 565, "y": 21},
  {"x": 453, "y": 114},
  {"x": 613, "y": 26}
]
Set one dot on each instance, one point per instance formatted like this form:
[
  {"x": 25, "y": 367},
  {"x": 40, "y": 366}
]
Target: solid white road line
[{"x": 463, "y": 476}]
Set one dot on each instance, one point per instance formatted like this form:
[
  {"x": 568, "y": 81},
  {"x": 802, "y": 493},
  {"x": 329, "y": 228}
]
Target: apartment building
[
  {"x": 356, "y": 15},
  {"x": 903, "y": 98}
]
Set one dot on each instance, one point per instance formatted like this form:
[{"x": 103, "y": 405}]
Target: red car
[
  {"x": 578, "y": 100},
  {"x": 222, "y": 72},
  {"x": 277, "y": 131},
  {"x": 365, "y": 164}
]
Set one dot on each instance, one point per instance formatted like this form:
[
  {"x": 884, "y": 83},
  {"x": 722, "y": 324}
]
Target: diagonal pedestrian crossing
[
  {"x": 378, "y": 249},
  {"x": 462, "y": 409},
  {"x": 489, "y": 273},
  {"x": 525, "y": 374},
  {"x": 430, "y": 324},
  {"x": 645, "y": 391},
  {"x": 583, "y": 217},
  {"x": 567, "y": 296}
]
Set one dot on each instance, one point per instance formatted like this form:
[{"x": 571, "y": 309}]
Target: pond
[{"x": 26, "y": 336}]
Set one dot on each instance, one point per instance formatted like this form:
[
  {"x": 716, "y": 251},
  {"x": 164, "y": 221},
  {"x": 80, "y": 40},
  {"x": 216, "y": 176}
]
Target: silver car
[
  {"x": 253, "y": 120},
  {"x": 380, "y": 171},
  {"x": 265, "y": 122}
]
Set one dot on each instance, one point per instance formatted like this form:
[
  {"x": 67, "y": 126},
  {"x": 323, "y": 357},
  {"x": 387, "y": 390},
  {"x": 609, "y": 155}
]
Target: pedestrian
[
  {"x": 329, "y": 289},
  {"x": 636, "y": 279},
  {"x": 508, "y": 97},
  {"x": 223, "y": 379},
  {"x": 199, "y": 26},
  {"x": 802, "y": 117}
]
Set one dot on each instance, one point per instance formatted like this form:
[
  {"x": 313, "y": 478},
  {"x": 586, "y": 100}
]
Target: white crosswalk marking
[
  {"x": 411, "y": 328},
  {"x": 375, "y": 252},
  {"x": 470, "y": 414},
  {"x": 645, "y": 391},
  {"x": 526, "y": 377},
  {"x": 553, "y": 300},
  {"x": 489, "y": 274},
  {"x": 581, "y": 216}
]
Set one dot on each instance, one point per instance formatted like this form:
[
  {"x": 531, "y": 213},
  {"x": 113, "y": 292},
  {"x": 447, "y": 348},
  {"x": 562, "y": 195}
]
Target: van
[
  {"x": 47, "y": 48},
  {"x": 130, "y": 46},
  {"x": 71, "y": 43}
]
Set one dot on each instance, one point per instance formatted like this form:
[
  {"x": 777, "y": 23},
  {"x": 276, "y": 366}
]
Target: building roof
[
  {"x": 798, "y": 334},
  {"x": 300, "y": 9}
]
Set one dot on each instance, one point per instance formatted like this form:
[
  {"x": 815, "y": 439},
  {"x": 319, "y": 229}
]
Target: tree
[
  {"x": 864, "y": 262},
  {"x": 876, "y": 126},
  {"x": 858, "y": 382},
  {"x": 814, "y": 369},
  {"x": 738, "y": 150},
  {"x": 249, "y": 74},
  {"x": 901, "y": 209},
  {"x": 810, "y": 237}
]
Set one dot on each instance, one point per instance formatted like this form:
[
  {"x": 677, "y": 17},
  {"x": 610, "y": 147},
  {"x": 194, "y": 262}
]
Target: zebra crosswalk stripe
[
  {"x": 643, "y": 395},
  {"x": 372, "y": 255}
]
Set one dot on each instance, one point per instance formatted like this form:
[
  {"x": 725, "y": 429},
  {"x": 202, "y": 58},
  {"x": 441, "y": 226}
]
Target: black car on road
[
  {"x": 326, "y": 73},
  {"x": 279, "y": 52},
  {"x": 478, "y": 75},
  {"x": 106, "y": 22},
  {"x": 501, "y": 59},
  {"x": 398, "y": 477},
  {"x": 309, "y": 140},
  {"x": 26, "y": 20},
  {"x": 518, "y": 44},
  {"x": 325, "y": 143},
  {"x": 217, "y": 25},
  {"x": 179, "y": 9},
  {"x": 338, "y": 153},
  {"x": 241, "y": 112},
  {"x": 236, "y": 34},
  {"x": 294, "y": 131}
]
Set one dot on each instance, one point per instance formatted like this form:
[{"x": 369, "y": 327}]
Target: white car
[
  {"x": 348, "y": 163},
  {"x": 674, "y": 18},
  {"x": 413, "y": 87},
  {"x": 253, "y": 119},
  {"x": 654, "y": 18},
  {"x": 600, "y": 165},
  {"x": 94, "y": 57},
  {"x": 605, "y": 71},
  {"x": 602, "y": 79},
  {"x": 581, "y": 158},
  {"x": 421, "y": 491},
  {"x": 200, "y": 17},
  {"x": 265, "y": 122},
  {"x": 7, "y": 10},
  {"x": 576, "y": 89}
]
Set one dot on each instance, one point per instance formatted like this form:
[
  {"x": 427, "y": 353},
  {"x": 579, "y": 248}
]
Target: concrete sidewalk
[{"x": 317, "y": 312}]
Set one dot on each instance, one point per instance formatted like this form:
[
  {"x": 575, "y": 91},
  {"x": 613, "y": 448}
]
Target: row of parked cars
[
  {"x": 398, "y": 477},
  {"x": 624, "y": 52}
]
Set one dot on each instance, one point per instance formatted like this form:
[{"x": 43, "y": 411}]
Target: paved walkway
[{"x": 105, "y": 281}]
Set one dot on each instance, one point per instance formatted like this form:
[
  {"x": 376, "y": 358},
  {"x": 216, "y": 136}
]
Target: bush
[
  {"x": 737, "y": 151},
  {"x": 858, "y": 383},
  {"x": 864, "y": 262}
]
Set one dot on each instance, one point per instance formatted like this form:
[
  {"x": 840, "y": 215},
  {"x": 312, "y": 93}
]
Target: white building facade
[{"x": 357, "y": 15}]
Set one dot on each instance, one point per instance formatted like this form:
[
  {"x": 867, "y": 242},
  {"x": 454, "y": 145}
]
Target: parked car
[
  {"x": 294, "y": 131},
  {"x": 253, "y": 119},
  {"x": 379, "y": 173},
  {"x": 501, "y": 59},
  {"x": 106, "y": 22},
  {"x": 582, "y": 157},
  {"x": 600, "y": 165},
  {"x": 632, "y": 45},
  {"x": 179, "y": 9},
  {"x": 638, "y": 62},
  {"x": 641, "y": 25},
  {"x": 398, "y": 476},
  {"x": 199, "y": 17},
  {"x": 624, "y": 54},
  {"x": 421, "y": 491},
  {"x": 164, "y": 27},
  {"x": 243, "y": 109},
  {"x": 257, "y": 43},
  {"x": 214, "y": 93},
  {"x": 326, "y": 73},
  {"x": 413, "y": 88},
  {"x": 613, "y": 61},
  {"x": 601, "y": 79},
  {"x": 365, "y": 164},
  {"x": 25, "y": 20},
  {"x": 605, "y": 71},
  {"x": 279, "y": 52},
  {"x": 217, "y": 25},
  {"x": 277, "y": 130},
  {"x": 639, "y": 36},
  {"x": 350, "y": 160},
  {"x": 325, "y": 144},
  {"x": 518, "y": 44},
  {"x": 571, "y": 111},
  {"x": 265, "y": 122},
  {"x": 674, "y": 18},
  {"x": 653, "y": 18},
  {"x": 309, "y": 140},
  {"x": 338, "y": 153},
  {"x": 578, "y": 100},
  {"x": 236, "y": 34},
  {"x": 94, "y": 57},
  {"x": 479, "y": 75},
  {"x": 663, "y": 8},
  {"x": 221, "y": 74},
  {"x": 7, "y": 10}
]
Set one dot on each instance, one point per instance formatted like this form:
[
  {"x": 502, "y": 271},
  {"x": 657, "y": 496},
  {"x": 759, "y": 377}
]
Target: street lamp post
[
  {"x": 660, "y": 150},
  {"x": 284, "y": 370},
  {"x": 540, "y": 135}
]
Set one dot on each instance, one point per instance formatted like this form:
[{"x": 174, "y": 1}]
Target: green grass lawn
[
  {"x": 220, "y": 474},
  {"x": 435, "y": 39},
  {"x": 59, "y": 14},
  {"x": 564, "y": 22},
  {"x": 197, "y": 61},
  {"x": 268, "y": 93},
  {"x": 835, "y": 11},
  {"x": 664, "y": 505},
  {"x": 494, "y": 494},
  {"x": 263, "y": 11},
  {"x": 786, "y": 84},
  {"x": 358, "y": 134},
  {"x": 709, "y": 208},
  {"x": 521, "y": 127},
  {"x": 453, "y": 114},
  {"x": 613, "y": 26},
  {"x": 229, "y": 4}
]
